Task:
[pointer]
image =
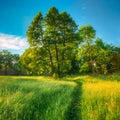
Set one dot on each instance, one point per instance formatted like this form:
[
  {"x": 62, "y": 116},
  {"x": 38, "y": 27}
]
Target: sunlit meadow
[{"x": 83, "y": 97}]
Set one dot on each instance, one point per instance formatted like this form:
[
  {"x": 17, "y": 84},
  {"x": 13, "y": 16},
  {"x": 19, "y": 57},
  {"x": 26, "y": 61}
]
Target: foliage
[
  {"x": 87, "y": 33},
  {"x": 59, "y": 48},
  {"x": 56, "y": 35},
  {"x": 39, "y": 63},
  {"x": 115, "y": 59},
  {"x": 9, "y": 63},
  {"x": 96, "y": 56}
]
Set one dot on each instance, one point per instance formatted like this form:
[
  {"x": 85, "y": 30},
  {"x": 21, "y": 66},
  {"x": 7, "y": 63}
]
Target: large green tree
[{"x": 56, "y": 36}]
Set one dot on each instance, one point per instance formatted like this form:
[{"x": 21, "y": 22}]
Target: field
[{"x": 82, "y": 97}]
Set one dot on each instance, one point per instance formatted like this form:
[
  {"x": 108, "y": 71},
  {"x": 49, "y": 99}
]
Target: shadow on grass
[{"x": 74, "y": 110}]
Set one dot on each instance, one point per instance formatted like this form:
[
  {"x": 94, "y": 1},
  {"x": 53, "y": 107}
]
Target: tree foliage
[
  {"x": 9, "y": 63},
  {"x": 87, "y": 33},
  {"x": 58, "y": 47},
  {"x": 55, "y": 34}
]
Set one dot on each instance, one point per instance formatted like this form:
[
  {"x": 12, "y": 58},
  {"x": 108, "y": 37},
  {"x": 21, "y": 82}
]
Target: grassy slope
[{"x": 73, "y": 98}]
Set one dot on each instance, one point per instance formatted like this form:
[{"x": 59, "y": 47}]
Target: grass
[
  {"x": 101, "y": 100},
  {"x": 34, "y": 99},
  {"x": 85, "y": 97}
]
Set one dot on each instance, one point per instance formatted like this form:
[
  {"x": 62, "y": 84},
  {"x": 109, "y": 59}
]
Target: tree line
[
  {"x": 10, "y": 64},
  {"x": 59, "y": 47}
]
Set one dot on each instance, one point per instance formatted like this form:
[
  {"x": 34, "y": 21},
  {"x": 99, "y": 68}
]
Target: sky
[{"x": 16, "y": 16}]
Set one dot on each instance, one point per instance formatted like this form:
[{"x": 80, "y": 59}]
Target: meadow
[{"x": 80, "y": 97}]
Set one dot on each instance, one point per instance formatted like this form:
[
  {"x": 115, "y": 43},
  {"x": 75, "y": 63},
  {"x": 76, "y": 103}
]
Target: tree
[
  {"x": 6, "y": 61},
  {"x": 60, "y": 29},
  {"x": 52, "y": 38},
  {"x": 35, "y": 62},
  {"x": 101, "y": 55},
  {"x": 115, "y": 59},
  {"x": 17, "y": 68},
  {"x": 9, "y": 63},
  {"x": 56, "y": 36},
  {"x": 87, "y": 34},
  {"x": 93, "y": 56},
  {"x": 35, "y": 31}
]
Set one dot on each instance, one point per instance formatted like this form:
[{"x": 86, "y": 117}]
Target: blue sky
[{"x": 16, "y": 15}]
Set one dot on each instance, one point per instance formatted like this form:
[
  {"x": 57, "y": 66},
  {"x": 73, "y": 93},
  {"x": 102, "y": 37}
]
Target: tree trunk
[
  {"x": 51, "y": 61},
  {"x": 57, "y": 60}
]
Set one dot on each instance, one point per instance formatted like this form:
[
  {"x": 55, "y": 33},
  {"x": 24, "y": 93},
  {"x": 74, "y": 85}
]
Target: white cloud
[{"x": 12, "y": 42}]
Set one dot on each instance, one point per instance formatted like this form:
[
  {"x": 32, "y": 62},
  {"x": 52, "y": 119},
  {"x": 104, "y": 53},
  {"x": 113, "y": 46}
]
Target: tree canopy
[
  {"x": 56, "y": 36},
  {"x": 59, "y": 47}
]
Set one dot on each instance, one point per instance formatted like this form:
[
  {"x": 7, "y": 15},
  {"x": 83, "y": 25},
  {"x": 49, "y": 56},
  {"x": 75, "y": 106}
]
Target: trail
[{"x": 74, "y": 110}]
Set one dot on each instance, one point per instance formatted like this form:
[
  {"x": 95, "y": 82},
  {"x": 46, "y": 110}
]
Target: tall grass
[
  {"x": 85, "y": 97},
  {"x": 100, "y": 97},
  {"x": 30, "y": 99}
]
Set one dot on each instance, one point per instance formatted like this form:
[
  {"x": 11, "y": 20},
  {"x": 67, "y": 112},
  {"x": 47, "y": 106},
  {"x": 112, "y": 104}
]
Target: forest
[{"x": 59, "y": 47}]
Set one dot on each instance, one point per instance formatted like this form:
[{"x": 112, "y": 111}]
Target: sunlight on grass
[
  {"x": 46, "y": 79},
  {"x": 101, "y": 101},
  {"x": 83, "y": 97},
  {"x": 100, "y": 96},
  {"x": 27, "y": 98}
]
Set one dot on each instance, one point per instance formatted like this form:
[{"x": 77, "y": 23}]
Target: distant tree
[
  {"x": 93, "y": 56},
  {"x": 6, "y": 61},
  {"x": 102, "y": 59},
  {"x": 9, "y": 63},
  {"x": 115, "y": 59},
  {"x": 17, "y": 68}
]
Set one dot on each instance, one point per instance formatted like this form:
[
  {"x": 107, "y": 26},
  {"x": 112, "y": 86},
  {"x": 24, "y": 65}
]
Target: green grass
[
  {"x": 85, "y": 97},
  {"x": 34, "y": 99}
]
